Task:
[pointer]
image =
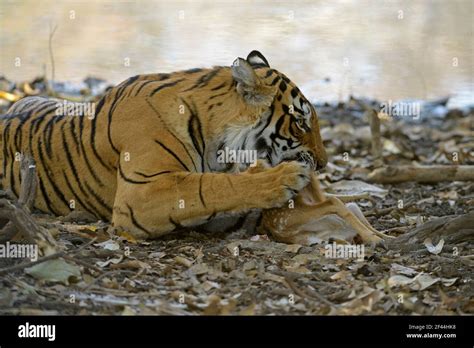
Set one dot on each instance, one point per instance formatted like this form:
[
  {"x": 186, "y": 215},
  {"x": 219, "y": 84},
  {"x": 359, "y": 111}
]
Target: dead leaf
[
  {"x": 56, "y": 270},
  {"x": 208, "y": 285},
  {"x": 391, "y": 147},
  {"x": 128, "y": 311},
  {"x": 157, "y": 255},
  {"x": 183, "y": 261},
  {"x": 434, "y": 249},
  {"x": 127, "y": 236},
  {"x": 109, "y": 245},
  {"x": 298, "y": 269},
  {"x": 363, "y": 302},
  {"x": 259, "y": 237},
  {"x": 109, "y": 261},
  {"x": 234, "y": 248},
  {"x": 341, "y": 275},
  {"x": 420, "y": 282},
  {"x": 357, "y": 187},
  {"x": 199, "y": 268},
  {"x": 217, "y": 306},
  {"x": 293, "y": 248},
  {"x": 423, "y": 281},
  {"x": 396, "y": 268},
  {"x": 250, "y": 310},
  {"x": 448, "y": 281},
  {"x": 131, "y": 264},
  {"x": 303, "y": 259}
]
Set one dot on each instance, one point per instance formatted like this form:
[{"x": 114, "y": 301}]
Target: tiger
[{"x": 148, "y": 159}]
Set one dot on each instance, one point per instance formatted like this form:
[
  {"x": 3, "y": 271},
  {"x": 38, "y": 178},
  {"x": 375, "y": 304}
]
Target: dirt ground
[{"x": 239, "y": 273}]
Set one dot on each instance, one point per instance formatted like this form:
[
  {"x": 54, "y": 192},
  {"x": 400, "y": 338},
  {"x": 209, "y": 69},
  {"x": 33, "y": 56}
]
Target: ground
[{"x": 239, "y": 273}]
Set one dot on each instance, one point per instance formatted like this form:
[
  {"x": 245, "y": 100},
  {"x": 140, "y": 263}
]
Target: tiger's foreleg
[{"x": 170, "y": 201}]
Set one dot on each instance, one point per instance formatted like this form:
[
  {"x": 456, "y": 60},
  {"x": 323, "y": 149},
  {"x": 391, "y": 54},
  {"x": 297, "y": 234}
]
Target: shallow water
[{"x": 388, "y": 50}]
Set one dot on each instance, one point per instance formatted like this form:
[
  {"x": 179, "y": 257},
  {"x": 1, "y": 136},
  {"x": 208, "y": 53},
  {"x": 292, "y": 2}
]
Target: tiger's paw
[{"x": 285, "y": 181}]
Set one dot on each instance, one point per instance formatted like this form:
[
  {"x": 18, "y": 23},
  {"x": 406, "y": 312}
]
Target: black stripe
[
  {"x": 48, "y": 132},
  {"x": 165, "y": 85},
  {"x": 143, "y": 85},
  {"x": 46, "y": 197},
  {"x": 41, "y": 184},
  {"x": 169, "y": 131},
  {"x": 172, "y": 154},
  {"x": 152, "y": 175},
  {"x": 205, "y": 79},
  {"x": 275, "y": 80},
  {"x": 51, "y": 181},
  {"x": 269, "y": 73},
  {"x": 272, "y": 110},
  {"x": 100, "y": 201},
  {"x": 5, "y": 146},
  {"x": 145, "y": 81},
  {"x": 84, "y": 153},
  {"x": 219, "y": 86},
  {"x": 19, "y": 128},
  {"x": 135, "y": 222},
  {"x": 24, "y": 104},
  {"x": 128, "y": 81},
  {"x": 93, "y": 132},
  {"x": 100, "y": 105},
  {"x": 76, "y": 196},
  {"x": 194, "y": 122},
  {"x": 122, "y": 175},
  {"x": 72, "y": 129},
  {"x": 218, "y": 95},
  {"x": 293, "y": 133},
  {"x": 12, "y": 172},
  {"x": 278, "y": 126},
  {"x": 46, "y": 105},
  {"x": 192, "y": 71},
  {"x": 121, "y": 89},
  {"x": 194, "y": 140},
  {"x": 73, "y": 167},
  {"x": 36, "y": 124},
  {"x": 9, "y": 153}
]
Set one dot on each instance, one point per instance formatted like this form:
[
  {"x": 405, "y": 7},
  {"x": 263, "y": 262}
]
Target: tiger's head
[{"x": 287, "y": 125}]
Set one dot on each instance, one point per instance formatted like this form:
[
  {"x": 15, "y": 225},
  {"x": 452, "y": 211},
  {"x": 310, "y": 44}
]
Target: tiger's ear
[
  {"x": 249, "y": 85},
  {"x": 256, "y": 59}
]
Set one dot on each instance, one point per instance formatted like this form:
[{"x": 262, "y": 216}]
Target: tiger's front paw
[{"x": 286, "y": 180}]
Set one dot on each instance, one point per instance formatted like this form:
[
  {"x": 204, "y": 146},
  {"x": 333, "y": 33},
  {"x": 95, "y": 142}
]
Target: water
[{"x": 388, "y": 50}]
